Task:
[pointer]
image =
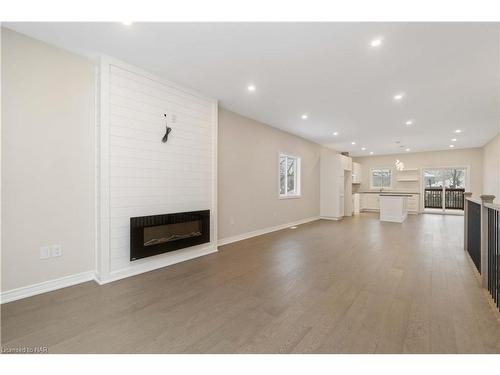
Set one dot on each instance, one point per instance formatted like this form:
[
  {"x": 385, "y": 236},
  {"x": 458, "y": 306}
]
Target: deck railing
[
  {"x": 453, "y": 198},
  {"x": 482, "y": 240}
]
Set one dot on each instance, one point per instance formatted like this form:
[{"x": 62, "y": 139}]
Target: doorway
[{"x": 443, "y": 189}]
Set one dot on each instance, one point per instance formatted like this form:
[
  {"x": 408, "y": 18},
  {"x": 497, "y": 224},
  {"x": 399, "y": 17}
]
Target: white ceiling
[{"x": 448, "y": 71}]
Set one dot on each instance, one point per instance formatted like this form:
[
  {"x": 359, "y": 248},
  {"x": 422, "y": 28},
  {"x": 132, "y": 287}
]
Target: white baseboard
[
  {"x": 46, "y": 286},
  {"x": 153, "y": 264},
  {"x": 331, "y": 218},
  {"x": 259, "y": 232},
  {"x": 63, "y": 282}
]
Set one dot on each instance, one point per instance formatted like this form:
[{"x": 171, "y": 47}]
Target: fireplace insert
[{"x": 153, "y": 235}]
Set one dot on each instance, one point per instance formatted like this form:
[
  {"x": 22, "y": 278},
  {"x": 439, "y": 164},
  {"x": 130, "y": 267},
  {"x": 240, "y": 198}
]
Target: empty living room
[{"x": 219, "y": 186}]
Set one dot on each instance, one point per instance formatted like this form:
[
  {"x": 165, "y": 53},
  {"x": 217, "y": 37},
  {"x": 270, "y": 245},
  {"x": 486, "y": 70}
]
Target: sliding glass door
[{"x": 444, "y": 189}]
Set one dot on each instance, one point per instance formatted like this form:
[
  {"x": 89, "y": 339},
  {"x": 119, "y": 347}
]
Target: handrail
[
  {"x": 475, "y": 200},
  {"x": 493, "y": 206}
]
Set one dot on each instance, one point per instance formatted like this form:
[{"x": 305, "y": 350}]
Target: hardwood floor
[{"x": 354, "y": 286}]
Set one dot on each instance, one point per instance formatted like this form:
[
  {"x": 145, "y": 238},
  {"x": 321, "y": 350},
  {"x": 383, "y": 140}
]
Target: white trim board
[
  {"x": 260, "y": 232},
  {"x": 331, "y": 218},
  {"x": 178, "y": 256},
  {"x": 46, "y": 286}
]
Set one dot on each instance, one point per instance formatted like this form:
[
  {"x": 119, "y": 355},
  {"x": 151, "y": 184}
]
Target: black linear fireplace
[{"x": 152, "y": 235}]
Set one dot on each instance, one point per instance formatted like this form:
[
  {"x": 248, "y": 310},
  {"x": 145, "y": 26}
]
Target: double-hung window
[
  {"x": 289, "y": 176},
  {"x": 381, "y": 178}
]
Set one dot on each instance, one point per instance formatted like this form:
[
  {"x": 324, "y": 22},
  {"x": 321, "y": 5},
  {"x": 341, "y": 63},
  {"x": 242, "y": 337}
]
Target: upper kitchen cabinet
[
  {"x": 346, "y": 162},
  {"x": 356, "y": 173}
]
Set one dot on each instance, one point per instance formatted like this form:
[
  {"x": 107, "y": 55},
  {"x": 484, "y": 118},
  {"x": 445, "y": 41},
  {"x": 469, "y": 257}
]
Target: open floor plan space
[
  {"x": 354, "y": 286},
  {"x": 250, "y": 187}
]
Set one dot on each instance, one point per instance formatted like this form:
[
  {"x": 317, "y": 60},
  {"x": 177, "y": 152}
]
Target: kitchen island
[{"x": 393, "y": 207}]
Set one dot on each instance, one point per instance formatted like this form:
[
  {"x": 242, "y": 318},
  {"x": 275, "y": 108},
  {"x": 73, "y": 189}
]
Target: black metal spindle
[
  {"x": 494, "y": 255},
  {"x": 474, "y": 233}
]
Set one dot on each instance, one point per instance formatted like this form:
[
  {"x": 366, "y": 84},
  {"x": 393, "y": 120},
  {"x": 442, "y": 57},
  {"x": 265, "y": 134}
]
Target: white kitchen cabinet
[
  {"x": 355, "y": 203},
  {"x": 356, "y": 173},
  {"x": 346, "y": 162},
  {"x": 370, "y": 201},
  {"x": 413, "y": 203},
  {"x": 335, "y": 185}
]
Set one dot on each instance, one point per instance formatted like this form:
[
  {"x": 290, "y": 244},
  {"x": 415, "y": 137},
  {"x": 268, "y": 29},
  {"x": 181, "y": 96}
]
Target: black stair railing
[
  {"x": 494, "y": 255},
  {"x": 482, "y": 240},
  {"x": 474, "y": 232}
]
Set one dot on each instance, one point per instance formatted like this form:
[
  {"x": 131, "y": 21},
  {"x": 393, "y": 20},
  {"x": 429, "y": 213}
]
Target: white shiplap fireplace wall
[{"x": 138, "y": 174}]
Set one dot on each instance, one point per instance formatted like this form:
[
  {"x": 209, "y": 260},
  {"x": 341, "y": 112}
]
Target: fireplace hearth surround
[{"x": 153, "y": 235}]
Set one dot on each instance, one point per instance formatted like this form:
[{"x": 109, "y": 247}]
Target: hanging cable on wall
[{"x": 168, "y": 130}]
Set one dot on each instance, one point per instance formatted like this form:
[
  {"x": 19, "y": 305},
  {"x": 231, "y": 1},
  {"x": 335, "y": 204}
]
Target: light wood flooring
[{"x": 354, "y": 286}]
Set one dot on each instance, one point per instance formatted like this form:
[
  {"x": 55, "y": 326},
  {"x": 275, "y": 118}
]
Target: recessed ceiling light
[
  {"x": 453, "y": 139},
  {"x": 451, "y": 146},
  {"x": 304, "y": 116},
  {"x": 363, "y": 148},
  {"x": 458, "y": 131},
  {"x": 353, "y": 143},
  {"x": 127, "y": 23},
  {"x": 293, "y": 227},
  {"x": 251, "y": 88},
  {"x": 335, "y": 133},
  {"x": 376, "y": 42},
  {"x": 407, "y": 149},
  {"x": 409, "y": 123},
  {"x": 371, "y": 152},
  {"x": 399, "y": 96}
]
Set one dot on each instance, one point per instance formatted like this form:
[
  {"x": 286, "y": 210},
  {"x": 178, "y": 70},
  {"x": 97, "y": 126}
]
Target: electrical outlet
[
  {"x": 56, "y": 250},
  {"x": 44, "y": 252}
]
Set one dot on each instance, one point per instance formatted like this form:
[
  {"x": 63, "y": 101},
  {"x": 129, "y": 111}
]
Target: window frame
[
  {"x": 298, "y": 184},
  {"x": 391, "y": 182}
]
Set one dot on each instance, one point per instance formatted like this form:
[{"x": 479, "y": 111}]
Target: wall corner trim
[
  {"x": 260, "y": 232},
  {"x": 46, "y": 286}
]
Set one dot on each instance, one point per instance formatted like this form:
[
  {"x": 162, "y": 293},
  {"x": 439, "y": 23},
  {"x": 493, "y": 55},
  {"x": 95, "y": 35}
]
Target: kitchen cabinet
[
  {"x": 371, "y": 202},
  {"x": 335, "y": 185},
  {"x": 346, "y": 162},
  {"x": 356, "y": 173}
]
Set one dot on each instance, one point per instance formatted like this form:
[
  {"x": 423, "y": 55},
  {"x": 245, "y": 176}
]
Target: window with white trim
[
  {"x": 289, "y": 176},
  {"x": 381, "y": 178}
]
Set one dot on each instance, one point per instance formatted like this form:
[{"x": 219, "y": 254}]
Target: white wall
[
  {"x": 47, "y": 161},
  {"x": 145, "y": 176},
  {"x": 491, "y": 168},
  {"x": 248, "y": 176},
  {"x": 462, "y": 157}
]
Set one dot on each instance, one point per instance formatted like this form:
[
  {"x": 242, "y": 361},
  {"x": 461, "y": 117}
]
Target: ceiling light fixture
[
  {"x": 407, "y": 150},
  {"x": 376, "y": 42},
  {"x": 304, "y": 116},
  {"x": 451, "y": 146},
  {"x": 335, "y": 133},
  {"x": 399, "y": 96},
  {"x": 453, "y": 139},
  {"x": 363, "y": 148},
  {"x": 127, "y": 23},
  {"x": 353, "y": 143},
  {"x": 458, "y": 131},
  {"x": 371, "y": 152},
  {"x": 251, "y": 88},
  {"x": 409, "y": 123}
]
